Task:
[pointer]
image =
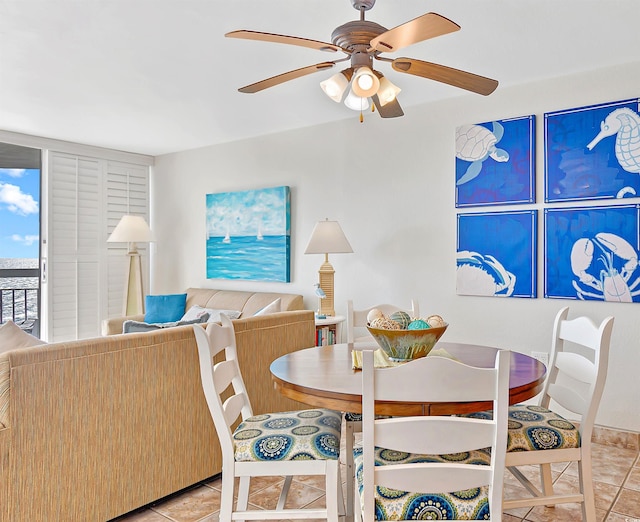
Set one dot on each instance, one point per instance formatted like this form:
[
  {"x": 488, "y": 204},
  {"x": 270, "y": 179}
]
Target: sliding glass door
[{"x": 20, "y": 182}]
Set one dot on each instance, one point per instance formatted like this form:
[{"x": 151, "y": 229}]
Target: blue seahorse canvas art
[{"x": 593, "y": 152}]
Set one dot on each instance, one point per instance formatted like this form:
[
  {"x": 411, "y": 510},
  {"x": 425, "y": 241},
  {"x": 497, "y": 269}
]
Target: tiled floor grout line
[{"x": 621, "y": 488}]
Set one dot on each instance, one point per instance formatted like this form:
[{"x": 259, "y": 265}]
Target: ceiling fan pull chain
[{"x": 361, "y": 117}]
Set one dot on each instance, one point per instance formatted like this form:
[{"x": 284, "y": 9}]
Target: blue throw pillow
[{"x": 164, "y": 308}]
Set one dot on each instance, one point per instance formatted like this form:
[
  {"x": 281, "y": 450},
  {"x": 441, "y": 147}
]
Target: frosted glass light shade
[
  {"x": 365, "y": 83},
  {"x": 130, "y": 229},
  {"x": 387, "y": 91},
  {"x": 356, "y": 103},
  {"x": 328, "y": 238},
  {"x": 335, "y": 86}
]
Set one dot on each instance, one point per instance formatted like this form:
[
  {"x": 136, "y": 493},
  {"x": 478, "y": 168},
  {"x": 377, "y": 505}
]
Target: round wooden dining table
[{"x": 324, "y": 377}]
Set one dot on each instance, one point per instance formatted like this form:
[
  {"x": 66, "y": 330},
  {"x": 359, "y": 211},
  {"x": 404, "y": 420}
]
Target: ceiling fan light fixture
[
  {"x": 355, "y": 102},
  {"x": 387, "y": 91},
  {"x": 365, "y": 83},
  {"x": 335, "y": 86}
]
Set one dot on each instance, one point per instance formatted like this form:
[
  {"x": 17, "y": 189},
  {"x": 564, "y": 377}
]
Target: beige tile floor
[{"x": 616, "y": 473}]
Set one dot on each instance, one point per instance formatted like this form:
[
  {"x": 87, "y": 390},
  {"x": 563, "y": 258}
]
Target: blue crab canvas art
[
  {"x": 592, "y": 253},
  {"x": 495, "y": 162},
  {"x": 593, "y": 152},
  {"x": 496, "y": 254}
]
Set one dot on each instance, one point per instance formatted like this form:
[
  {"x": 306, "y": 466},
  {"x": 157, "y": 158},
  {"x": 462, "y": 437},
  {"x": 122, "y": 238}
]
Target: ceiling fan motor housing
[
  {"x": 363, "y": 4},
  {"x": 356, "y": 33}
]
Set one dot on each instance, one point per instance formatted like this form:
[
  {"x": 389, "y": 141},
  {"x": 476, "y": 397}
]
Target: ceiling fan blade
[
  {"x": 285, "y": 77},
  {"x": 440, "y": 73},
  {"x": 422, "y": 28},
  {"x": 391, "y": 109},
  {"x": 283, "y": 39}
]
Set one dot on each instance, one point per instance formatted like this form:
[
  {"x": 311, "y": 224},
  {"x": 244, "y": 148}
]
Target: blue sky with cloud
[{"x": 19, "y": 212}]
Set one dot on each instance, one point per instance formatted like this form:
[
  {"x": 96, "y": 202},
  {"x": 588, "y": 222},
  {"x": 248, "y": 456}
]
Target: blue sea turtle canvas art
[{"x": 495, "y": 162}]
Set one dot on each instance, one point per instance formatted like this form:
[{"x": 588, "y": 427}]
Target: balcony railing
[{"x": 20, "y": 302}]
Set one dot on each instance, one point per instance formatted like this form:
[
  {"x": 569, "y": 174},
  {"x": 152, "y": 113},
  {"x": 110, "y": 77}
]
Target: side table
[{"x": 329, "y": 330}]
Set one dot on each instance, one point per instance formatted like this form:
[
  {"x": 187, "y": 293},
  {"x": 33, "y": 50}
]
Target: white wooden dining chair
[
  {"x": 455, "y": 463},
  {"x": 540, "y": 436},
  {"x": 305, "y": 442},
  {"x": 356, "y": 323}
]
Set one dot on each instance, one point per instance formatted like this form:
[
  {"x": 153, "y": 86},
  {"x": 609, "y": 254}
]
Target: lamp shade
[
  {"x": 335, "y": 86},
  {"x": 387, "y": 91},
  {"x": 130, "y": 229},
  {"x": 365, "y": 83},
  {"x": 328, "y": 238},
  {"x": 356, "y": 103}
]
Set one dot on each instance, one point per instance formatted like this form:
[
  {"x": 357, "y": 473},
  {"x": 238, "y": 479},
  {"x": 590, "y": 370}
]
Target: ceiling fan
[{"x": 364, "y": 41}]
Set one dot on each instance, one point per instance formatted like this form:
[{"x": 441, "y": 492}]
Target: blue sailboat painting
[{"x": 249, "y": 235}]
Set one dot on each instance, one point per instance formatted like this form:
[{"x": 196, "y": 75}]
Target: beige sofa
[
  {"x": 246, "y": 302},
  {"x": 99, "y": 427}
]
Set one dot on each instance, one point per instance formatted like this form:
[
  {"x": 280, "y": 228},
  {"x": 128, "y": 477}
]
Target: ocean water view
[
  {"x": 248, "y": 258},
  {"x": 13, "y": 303}
]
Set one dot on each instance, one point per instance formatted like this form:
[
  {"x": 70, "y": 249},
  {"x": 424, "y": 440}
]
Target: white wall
[{"x": 390, "y": 184}]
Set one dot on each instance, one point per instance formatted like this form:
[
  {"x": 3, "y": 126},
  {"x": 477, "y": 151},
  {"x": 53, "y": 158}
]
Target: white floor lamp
[{"x": 132, "y": 230}]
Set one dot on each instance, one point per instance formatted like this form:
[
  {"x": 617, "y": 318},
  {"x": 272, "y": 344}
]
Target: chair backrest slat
[
  {"x": 569, "y": 399},
  {"x": 223, "y": 374},
  {"x": 462, "y": 434},
  {"x": 436, "y": 381},
  {"x": 431, "y": 478},
  {"x": 580, "y": 330},
  {"x": 576, "y": 366},
  {"x": 233, "y": 406}
]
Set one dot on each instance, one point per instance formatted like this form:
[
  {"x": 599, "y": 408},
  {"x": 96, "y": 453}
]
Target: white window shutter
[
  {"x": 86, "y": 199},
  {"x": 74, "y": 226}
]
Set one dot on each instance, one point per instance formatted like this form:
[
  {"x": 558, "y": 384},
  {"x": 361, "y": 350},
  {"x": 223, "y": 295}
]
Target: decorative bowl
[{"x": 406, "y": 345}]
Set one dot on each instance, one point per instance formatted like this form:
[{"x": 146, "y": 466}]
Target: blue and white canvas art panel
[
  {"x": 591, "y": 253},
  {"x": 249, "y": 235},
  {"x": 593, "y": 152},
  {"x": 495, "y": 162},
  {"x": 497, "y": 254}
]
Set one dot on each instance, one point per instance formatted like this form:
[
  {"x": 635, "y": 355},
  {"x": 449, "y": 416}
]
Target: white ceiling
[{"x": 158, "y": 76}]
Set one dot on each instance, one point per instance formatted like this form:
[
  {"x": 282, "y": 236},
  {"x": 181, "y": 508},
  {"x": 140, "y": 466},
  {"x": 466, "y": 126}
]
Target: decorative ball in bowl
[{"x": 406, "y": 345}]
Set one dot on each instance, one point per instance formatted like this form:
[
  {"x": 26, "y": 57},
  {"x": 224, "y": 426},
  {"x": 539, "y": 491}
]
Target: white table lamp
[
  {"x": 327, "y": 238},
  {"x": 132, "y": 230}
]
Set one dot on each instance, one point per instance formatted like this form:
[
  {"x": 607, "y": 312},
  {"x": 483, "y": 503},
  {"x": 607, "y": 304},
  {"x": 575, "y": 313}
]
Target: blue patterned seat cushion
[
  {"x": 534, "y": 428},
  {"x": 357, "y": 417},
  {"x": 391, "y": 504},
  {"x": 292, "y": 435},
  {"x": 353, "y": 417}
]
